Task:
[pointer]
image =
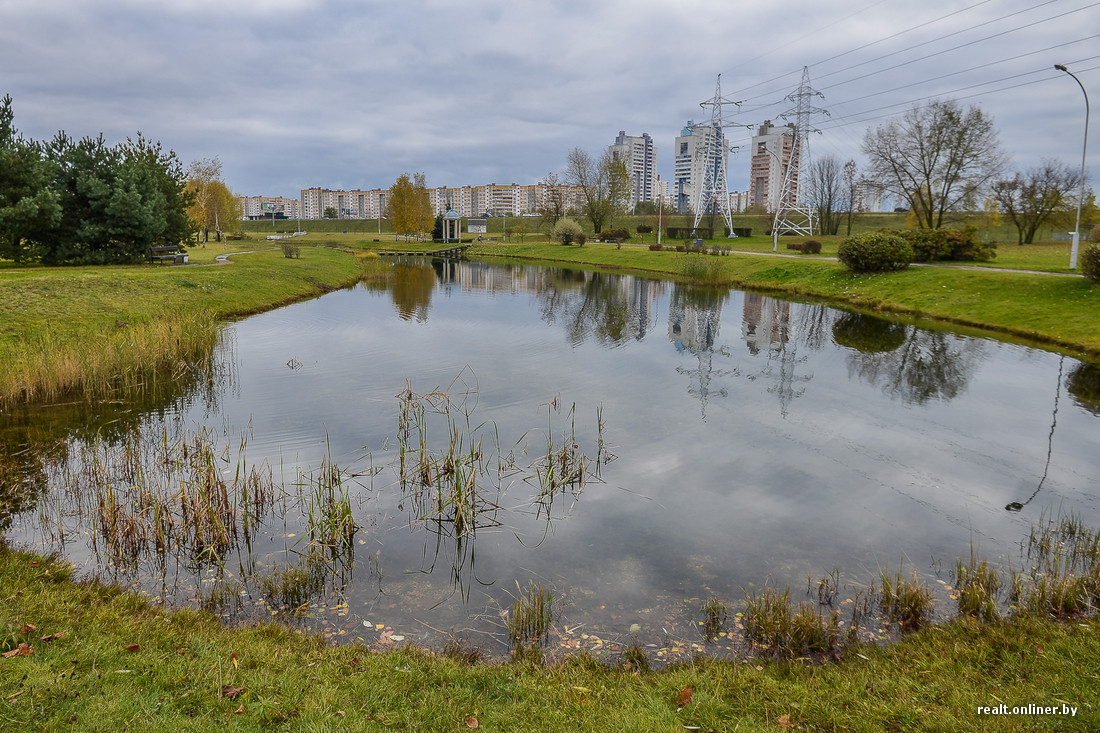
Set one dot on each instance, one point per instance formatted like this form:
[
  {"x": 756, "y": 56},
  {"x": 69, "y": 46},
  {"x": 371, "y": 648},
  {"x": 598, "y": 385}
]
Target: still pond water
[{"x": 732, "y": 440}]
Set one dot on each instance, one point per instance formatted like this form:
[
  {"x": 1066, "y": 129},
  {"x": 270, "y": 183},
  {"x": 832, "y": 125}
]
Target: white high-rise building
[
  {"x": 690, "y": 160},
  {"x": 640, "y": 156}
]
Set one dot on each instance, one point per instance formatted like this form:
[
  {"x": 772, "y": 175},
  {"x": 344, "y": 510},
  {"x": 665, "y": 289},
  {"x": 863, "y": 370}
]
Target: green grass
[
  {"x": 116, "y": 662},
  {"x": 1037, "y": 308},
  {"x": 86, "y": 330}
]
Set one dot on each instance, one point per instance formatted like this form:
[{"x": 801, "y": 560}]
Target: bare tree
[
  {"x": 602, "y": 183},
  {"x": 552, "y": 206},
  {"x": 824, "y": 192},
  {"x": 852, "y": 192},
  {"x": 937, "y": 157},
  {"x": 1032, "y": 199}
]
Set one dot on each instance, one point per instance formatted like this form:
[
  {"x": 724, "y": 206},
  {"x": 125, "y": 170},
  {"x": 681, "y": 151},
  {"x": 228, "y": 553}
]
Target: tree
[
  {"x": 224, "y": 207},
  {"x": 603, "y": 183},
  {"x": 401, "y": 208},
  {"x": 1031, "y": 199},
  {"x": 552, "y": 205},
  {"x": 27, "y": 203},
  {"x": 201, "y": 175},
  {"x": 164, "y": 174},
  {"x": 824, "y": 192},
  {"x": 422, "y": 206},
  {"x": 566, "y": 231},
  {"x": 330, "y": 212},
  {"x": 852, "y": 192},
  {"x": 938, "y": 157}
]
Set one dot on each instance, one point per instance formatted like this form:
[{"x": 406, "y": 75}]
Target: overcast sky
[{"x": 291, "y": 94}]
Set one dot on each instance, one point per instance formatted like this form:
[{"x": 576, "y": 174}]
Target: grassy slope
[{"x": 181, "y": 677}]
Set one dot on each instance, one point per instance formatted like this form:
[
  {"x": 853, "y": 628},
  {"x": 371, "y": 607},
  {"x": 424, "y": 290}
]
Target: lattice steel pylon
[
  {"x": 790, "y": 216},
  {"x": 713, "y": 196}
]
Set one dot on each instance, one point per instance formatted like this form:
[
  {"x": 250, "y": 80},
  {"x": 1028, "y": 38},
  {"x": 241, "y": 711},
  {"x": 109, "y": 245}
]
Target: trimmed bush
[
  {"x": 1094, "y": 235},
  {"x": 1090, "y": 262},
  {"x": 875, "y": 252},
  {"x": 956, "y": 245},
  {"x": 580, "y": 239},
  {"x": 614, "y": 235},
  {"x": 644, "y": 229},
  {"x": 811, "y": 247},
  {"x": 656, "y": 247}
]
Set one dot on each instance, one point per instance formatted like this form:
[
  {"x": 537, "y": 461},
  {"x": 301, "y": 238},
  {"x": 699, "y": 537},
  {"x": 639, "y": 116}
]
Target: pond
[{"x": 399, "y": 462}]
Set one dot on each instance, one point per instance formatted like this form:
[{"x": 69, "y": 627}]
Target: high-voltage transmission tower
[
  {"x": 714, "y": 197},
  {"x": 791, "y": 216}
]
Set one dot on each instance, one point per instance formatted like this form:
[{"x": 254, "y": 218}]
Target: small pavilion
[{"x": 452, "y": 222}]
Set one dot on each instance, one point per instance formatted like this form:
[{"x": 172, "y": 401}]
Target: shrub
[
  {"x": 811, "y": 247},
  {"x": 875, "y": 252},
  {"x": 947, "y": 244},
  {"x": 644, "y": 229},
  {"x": 656, "y": 247},
  {"x": 614, "y": 235},
  {"x": 566, "y": 231},
  {"x": 1094, "y": 235},
  {"x": 580, "y": 239},
  {"x": 1090, "y": 262}
]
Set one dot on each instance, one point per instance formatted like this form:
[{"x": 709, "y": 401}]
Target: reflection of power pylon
[
  {"x": 790, "y": 216},
  {"x": 714, "y": 197}
]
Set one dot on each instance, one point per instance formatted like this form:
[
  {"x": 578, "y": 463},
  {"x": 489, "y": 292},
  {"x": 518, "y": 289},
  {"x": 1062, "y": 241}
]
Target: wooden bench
[{"x": 167, "y": 253}]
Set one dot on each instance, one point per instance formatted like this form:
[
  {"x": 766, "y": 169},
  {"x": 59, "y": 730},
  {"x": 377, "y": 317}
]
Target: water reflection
[
  {"x": 758, "y": 439},
  {"x": 913, "y": 364}
]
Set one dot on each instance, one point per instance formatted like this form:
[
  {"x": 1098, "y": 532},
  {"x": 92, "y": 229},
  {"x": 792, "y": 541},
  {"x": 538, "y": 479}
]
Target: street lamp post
[{"x": 1081, "y": 194}]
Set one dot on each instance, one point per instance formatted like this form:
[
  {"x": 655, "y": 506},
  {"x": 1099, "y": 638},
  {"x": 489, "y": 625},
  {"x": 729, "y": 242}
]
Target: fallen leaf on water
[
  {"x": 685, "y": 697},
  {"x": 471, "y": 722},
  {"x": 784, "y": 721},
  {"x": 232, "y": 692},
  {"x": 386, "y": 637},
  {"x": 133, "y": 648}
]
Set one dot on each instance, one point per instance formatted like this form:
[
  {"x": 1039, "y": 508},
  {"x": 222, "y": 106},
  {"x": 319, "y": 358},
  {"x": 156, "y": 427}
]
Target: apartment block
[
  {"x": 690, "y": 163},
  {"x": 256, "y": 207},
  {"x": 771, "y": 155},
  {"x": 640, "y": 156}
]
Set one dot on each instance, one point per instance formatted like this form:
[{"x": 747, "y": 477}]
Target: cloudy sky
[{"x": 291, "y": 94}]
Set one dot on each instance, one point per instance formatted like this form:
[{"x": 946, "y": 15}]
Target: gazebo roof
[{"x": 452, "y": 214}]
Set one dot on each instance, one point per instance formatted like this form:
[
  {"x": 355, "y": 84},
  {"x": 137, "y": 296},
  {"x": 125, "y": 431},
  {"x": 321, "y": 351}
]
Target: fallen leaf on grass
[
  {"x": 26, "y": 629},
  {"x": 232, "y": 692},
  {"x": 239, "y": 710},
  {"x": 685, "y": 697},
  {"x": 471, "y": 722},
  {"x": 785, "y": 721},
  {"x": 14, "y": 695},
  {"x": 23, "y": 650},
  {"x": 233, "y": 657},
  {"x": 133, "y": 648},
  {"x": 51, "y": 637}
]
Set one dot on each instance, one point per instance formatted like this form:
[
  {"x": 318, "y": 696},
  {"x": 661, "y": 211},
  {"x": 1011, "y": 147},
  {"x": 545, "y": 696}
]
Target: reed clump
[
  {"x": 905, "y": 601},
  {"x": 1063, "y": 579},
  {"x": 126, "y": 356},
  {"x": 978, "y": 587},
  {"x": 772, "y": 622},
  {"x": 530, "y": 616}
]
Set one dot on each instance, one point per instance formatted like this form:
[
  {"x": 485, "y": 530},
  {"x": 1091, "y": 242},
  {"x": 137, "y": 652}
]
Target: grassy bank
[
  {"x": 1053, "y": 310},
  {"x": 106, "y": 660},
  {"x": 91, "y": 330}
]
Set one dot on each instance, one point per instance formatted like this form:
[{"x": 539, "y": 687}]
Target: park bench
[{"x": 167, "y": 253}]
